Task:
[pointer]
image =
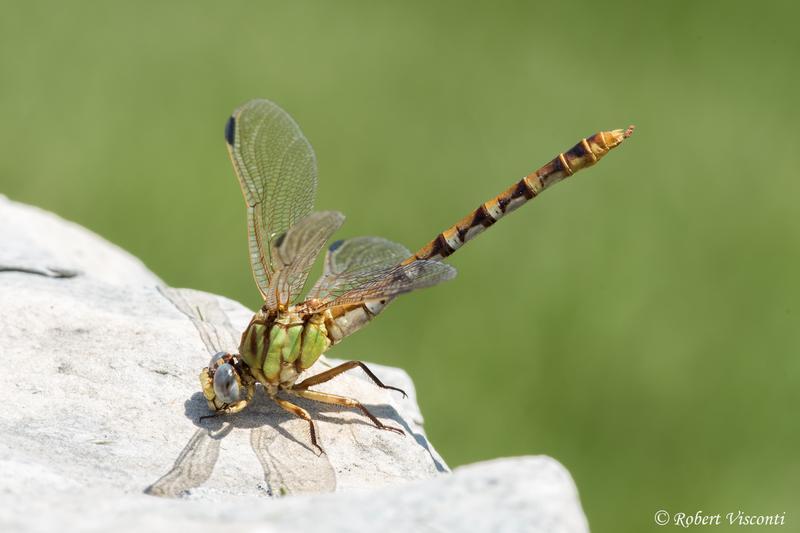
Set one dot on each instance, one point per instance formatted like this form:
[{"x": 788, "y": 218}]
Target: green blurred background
[{"x": 639, "y": 322}]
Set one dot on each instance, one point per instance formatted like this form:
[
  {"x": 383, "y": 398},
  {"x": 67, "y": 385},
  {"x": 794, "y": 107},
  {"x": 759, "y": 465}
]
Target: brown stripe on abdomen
[
  {"x": 579, "y": 150},
  {"x": 442, "y": 247},
  {"x": 524, "y": 190},
  {"x": 459, "y": 233},
  {"x": 480, "y": 218},
  {"x": 516, "y": 196}
]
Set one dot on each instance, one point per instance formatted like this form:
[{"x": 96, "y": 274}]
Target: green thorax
[{"x": 283, "y": 345}]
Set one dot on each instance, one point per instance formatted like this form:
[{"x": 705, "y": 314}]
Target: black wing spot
[
  {"x": 230, "y": 130},
  {"x": 334, "y": 246},
  {"x": 279, "y": 239}
]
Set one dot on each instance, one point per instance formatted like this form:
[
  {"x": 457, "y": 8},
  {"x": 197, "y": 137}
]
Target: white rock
[{"x": 102, "y": 406}]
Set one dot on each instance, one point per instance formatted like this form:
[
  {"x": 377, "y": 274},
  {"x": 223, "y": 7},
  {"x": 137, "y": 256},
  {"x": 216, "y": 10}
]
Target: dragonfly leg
[
  {"x": 206, "y": 417},
  {"x": 324, "y": 397},
  {"x": 328, "y": 375},
  {"x": 301, "y": 413}
]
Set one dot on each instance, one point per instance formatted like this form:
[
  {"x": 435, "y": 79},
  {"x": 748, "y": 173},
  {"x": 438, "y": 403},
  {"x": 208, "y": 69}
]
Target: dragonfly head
[{"x": 223, "y": 371}]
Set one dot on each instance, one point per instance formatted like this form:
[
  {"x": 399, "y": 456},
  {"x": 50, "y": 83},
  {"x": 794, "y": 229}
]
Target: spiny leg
[
  {"x": 328, "y": 375},
  {"x": 324, "y": 397},
  {"x": 301, "y": 413}
]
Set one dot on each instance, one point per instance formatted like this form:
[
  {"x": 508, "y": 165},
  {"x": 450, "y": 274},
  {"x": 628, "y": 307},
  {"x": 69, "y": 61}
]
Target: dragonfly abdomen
[
  {"x": 348, "y": 319},
  {"x": 585, "y": 153}
]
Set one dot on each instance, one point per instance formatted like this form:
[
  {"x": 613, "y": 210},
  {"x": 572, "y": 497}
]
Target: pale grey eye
[
  {"x": 226, "y": 384},
  {"x": 216, "y": 357}
]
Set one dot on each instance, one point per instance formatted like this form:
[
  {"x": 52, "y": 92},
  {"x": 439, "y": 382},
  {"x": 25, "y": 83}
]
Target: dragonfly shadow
[
  {"x": 383, "y": 412},
  {"x": 260, "y": 413},
  {"x": 278, "y": 440}
]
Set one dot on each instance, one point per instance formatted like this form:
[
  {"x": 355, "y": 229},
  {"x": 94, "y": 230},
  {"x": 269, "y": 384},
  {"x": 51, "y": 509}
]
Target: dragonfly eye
[
  {"x": 227, "y": 384},
  {"x": 215, "y": 359}
]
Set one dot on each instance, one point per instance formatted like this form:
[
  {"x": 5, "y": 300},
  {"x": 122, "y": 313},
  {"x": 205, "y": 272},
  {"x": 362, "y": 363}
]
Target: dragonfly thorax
[{"x": 278, "y": 346}]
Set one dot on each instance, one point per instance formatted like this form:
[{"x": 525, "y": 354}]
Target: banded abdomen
[
  {"x": 348, "y": 319},
  {"x": 584, "y": 154}
]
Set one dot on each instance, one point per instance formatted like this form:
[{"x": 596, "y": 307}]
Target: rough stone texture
[{"x": 102, "y": 407}]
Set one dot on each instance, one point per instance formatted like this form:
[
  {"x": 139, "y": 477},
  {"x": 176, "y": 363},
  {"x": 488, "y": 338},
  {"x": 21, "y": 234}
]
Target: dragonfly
[
  {"x": 277, "y": 171},
  {"x": 278, "y": 455}
]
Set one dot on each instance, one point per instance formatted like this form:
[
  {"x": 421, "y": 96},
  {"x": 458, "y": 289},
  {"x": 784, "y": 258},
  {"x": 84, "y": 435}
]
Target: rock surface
[{"x": 103, "y": 406}]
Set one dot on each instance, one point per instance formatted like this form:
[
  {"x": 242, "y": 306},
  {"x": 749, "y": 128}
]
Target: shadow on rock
[{"x": 278, "y": 440}]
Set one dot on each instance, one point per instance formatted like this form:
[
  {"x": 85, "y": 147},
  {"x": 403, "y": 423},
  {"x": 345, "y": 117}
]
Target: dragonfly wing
[
  {"x": 353, "y": 262},
  {"x": 393, "y": 281},
  {"x": 277, "y": 172},
  {"x": 208, "y": 317},
  {"x": 295, "y": 251}
]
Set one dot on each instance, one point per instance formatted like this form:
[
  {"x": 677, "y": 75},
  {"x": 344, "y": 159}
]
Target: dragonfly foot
[
  {"x": 301, "y": 413},
  {"x": 394, "y": 429},
  {"x": 205, "y": 417}
]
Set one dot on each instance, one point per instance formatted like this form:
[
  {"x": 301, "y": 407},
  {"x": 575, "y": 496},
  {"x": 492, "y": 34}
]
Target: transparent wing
[
  {"x": 295, "y": 252},
  {"x": 208, "y": 317},
  {"x": 277, "y": 171},
  {"x": 354, "y": 262},
  {"x": 392, "y": 281}
]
